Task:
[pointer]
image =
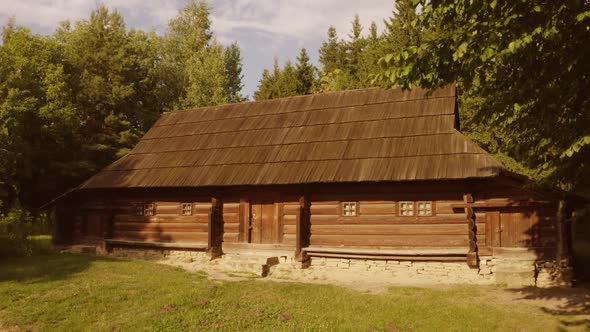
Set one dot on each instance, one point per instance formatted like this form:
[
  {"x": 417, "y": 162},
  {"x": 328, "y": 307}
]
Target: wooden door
[
  {"x": 516, "y": 229},
  {"x": 263, "y": 224}
]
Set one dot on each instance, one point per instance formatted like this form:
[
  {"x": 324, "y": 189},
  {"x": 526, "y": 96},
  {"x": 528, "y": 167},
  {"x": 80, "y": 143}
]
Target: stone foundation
[
  {"x": 180, "y": 256},
  {"x": 491, "y": 270},
  {"x": 406, "y": 271},
  {"x": 511, "y": 272}
]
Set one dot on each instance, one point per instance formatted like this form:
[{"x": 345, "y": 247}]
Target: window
[
  {"x": 148, "y": 210},
  {"x": 139, "y": 210},
  {"x": 406, "y": 209},
  {"x": 349, "y": 209},
  {"x": 186, "y": 209},
  {"x": 424, "y": 208}
]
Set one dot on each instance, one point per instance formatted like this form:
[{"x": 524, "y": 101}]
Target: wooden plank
[
  {"x": 230, "y": 208},
  {"x": 392, "y": 257},
  {"x": 290, "y": 209},
  {"x": 406, "y": 229},
  {"x": 374, "y": 220},
  {"x": 325, "y": 209},
  {"x": 289, "y": 229},
  {"x": 231, "y": 228},
  {"x": 377, "y": 208},
  {"x": 446, "y": 206},
  {"x": 289, "y": 219},
  {"x": 160, "y": 219},
  {"x": 161, "y": 237},
  {"x": 391, "y": 240},
  {"x": 186, "y": 245},
  {"x": 231, "y": 217},
  {"x": 400, "y": 251},
  {"x": 161, "y": 227},
  {"x": 231, "y": 237}
]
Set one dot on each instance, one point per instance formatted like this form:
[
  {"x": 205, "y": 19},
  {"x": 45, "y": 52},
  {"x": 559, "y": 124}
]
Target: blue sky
[{"x": 264, "y": 29}]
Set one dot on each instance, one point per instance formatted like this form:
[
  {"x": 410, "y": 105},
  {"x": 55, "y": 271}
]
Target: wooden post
[
  {"x": 215, "y": 228},
  {"x": 560, "y": 218},
  {"x": 472, "y": 259},
  {"x": 302, "y": 228}
]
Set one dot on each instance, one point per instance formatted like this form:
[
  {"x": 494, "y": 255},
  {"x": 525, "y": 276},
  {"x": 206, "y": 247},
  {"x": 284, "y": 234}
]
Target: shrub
[{"x": 15, "y": 228}]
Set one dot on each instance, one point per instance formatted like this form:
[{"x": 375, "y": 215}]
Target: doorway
[{"x": 263, "y": 225}]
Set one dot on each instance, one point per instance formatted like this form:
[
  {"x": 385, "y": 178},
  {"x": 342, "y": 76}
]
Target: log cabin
[{"x": 367, "y": 175}]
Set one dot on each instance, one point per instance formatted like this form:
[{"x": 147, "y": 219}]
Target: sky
[{"x": 264, "y": 29}]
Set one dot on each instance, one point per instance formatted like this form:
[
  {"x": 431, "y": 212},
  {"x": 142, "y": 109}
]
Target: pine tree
[
  {"x": 288, "y": 84},
  {"x": 305, "y": 74},
  {"x": 233, "y": 73},
  {"x": 331, "y": 53},
  {"x": 399, "y": 30},
  {"x": 354, "y": 50}
]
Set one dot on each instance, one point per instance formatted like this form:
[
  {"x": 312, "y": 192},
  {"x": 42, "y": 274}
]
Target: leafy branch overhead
[{"x": 527, "y": 63}]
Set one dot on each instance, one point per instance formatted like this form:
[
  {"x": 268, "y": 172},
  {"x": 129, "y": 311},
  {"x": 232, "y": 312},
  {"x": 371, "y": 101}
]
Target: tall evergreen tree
[
  {"x": 233, "y": 73},
  {"x": 267, "y": 87},
  {"x": 331, "y": 55},
  {"x": 354, "y": 49},
  {"x": 399, "y": 30},
  {"x": 305, "y": 74}
]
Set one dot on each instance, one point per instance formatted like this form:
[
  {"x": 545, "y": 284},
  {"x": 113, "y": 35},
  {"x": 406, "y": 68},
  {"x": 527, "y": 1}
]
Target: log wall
[
  {"x": 377, "y": 224},
  {"x": 167, "y": 225}
]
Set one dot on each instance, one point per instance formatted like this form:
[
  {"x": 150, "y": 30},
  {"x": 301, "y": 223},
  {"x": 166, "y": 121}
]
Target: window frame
[
  {"x": 400, "y": 207},
  {"x": 355, "y": 209},
  {"x": 182, "y": 209},
  {"x": 418, "y": 209},
  {"x": 151, "y": 207},
  {"x": 138, "y": 209}
]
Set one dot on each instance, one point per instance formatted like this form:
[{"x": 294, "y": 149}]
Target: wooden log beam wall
[
  {"x": 302, "y": 227},
  {"x": 215, "y": 228},
  {"x": 472, "y": 259}
]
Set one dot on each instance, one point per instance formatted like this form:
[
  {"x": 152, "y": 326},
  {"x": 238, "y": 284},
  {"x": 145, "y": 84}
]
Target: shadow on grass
[
  {"x": 571, "y": 303},
  {"x": 44, "y": 268}
]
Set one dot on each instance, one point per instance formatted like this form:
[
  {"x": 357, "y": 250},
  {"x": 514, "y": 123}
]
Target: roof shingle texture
[{"x": 368, "y": 135}]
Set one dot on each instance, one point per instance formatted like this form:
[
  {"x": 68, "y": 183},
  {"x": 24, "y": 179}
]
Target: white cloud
[
  {"x": 301, "y": 19},
  {"x": 46, "y": 14}
]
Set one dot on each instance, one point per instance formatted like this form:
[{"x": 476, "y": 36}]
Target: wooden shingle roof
[{"x": 366, "y": 135}]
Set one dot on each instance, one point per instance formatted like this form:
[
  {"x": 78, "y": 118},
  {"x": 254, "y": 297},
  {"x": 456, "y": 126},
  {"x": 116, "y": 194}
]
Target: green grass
[{"x": 71, "y": 293}]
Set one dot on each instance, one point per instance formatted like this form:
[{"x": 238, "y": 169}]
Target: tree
[
  {"x": 305, "y": 74},
  {"x": 278, "y": 83},
  {"x": 331, "y": 53},
  {"x": 207, "y": 82},
  {"x": 399, "y": 31},
  {"x": 101, "y": 66},
  {"x": 207, "y": 74},
  {"x": 526, "y": 61},
  {"x": 354, "y": 50},
  {"x": 38, "y": 121},
  {"x": 233, "y": 73},
  {"x": 267, "y": 87},
  {"x": 287, "y": 83}
]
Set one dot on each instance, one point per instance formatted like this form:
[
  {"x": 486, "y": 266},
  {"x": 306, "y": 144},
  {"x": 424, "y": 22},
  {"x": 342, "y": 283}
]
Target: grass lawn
[{"x": 70, "y": 292}]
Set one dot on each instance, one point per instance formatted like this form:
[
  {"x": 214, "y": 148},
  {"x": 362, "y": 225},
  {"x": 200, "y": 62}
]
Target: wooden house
[{"x": 367, "y": 174}]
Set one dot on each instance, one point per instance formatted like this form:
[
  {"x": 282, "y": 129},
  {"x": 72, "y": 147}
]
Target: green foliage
[
  {"x": 306, "y": 74},
  {"x": 15, "y": 228},
  {"x": 72, "y": 103},
  {"x": 233, "y": 74},
  {"x": 527, "y": 61},
  {"x": 287, "y": 81}
]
